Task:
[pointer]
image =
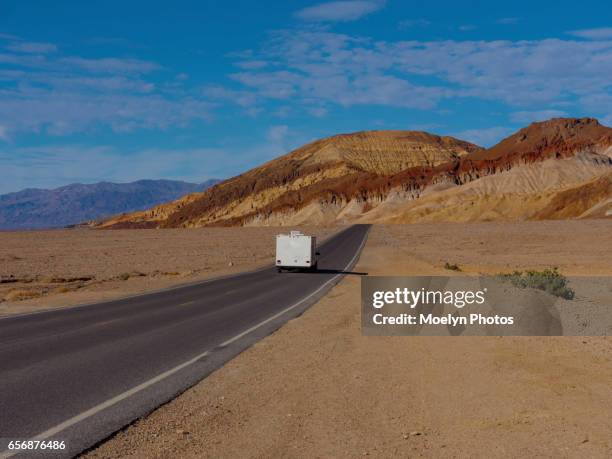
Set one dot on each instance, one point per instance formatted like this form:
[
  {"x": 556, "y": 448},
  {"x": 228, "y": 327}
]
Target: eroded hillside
[
  {"x": 333, "y": 166},
  {"x": 408, "y": 176}
]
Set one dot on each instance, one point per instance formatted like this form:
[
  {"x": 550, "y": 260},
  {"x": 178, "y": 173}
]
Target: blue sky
[{"x": 191, "y": 90}]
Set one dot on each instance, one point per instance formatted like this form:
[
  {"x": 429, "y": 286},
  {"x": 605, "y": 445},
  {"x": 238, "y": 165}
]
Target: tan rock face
[
  {"x": 319, "y": 166},
  {"x": 406, "y": 176},
  {"x": 390, "y": 152}
]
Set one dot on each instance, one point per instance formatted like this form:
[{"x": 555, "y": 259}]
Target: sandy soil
[
  {"x": 317, "y": 388},
  {"x": 47, "y": 269},
  {"x": 576, "y": 247}
]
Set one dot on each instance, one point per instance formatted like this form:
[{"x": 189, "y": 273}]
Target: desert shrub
[
  {"x": 126, "y": 276},
  {"x": 19, "y": 294},
  {"x": 549, "y": 280},
  {"x": 452, "y": 267}
]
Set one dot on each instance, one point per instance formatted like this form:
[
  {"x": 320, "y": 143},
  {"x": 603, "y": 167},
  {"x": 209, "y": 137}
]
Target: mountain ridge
[
  {"x": 345, "y": 178},
  {"x": 310, "y": 169},
  {"x": 33, "y": 208}
]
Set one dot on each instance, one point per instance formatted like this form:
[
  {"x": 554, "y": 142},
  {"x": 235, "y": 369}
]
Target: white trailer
[{"x": 296, "y": 250}]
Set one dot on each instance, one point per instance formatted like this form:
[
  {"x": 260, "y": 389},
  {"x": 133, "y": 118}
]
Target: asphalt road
[{"x": 80, "y": 374}]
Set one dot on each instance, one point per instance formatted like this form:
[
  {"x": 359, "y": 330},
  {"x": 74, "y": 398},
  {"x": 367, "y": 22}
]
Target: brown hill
[
  {"x": 543, "y": 171},
  {"x": 406, "y": 176},
  {"x": 595, "y": 196},
  {"x": 326, "y": 168},
  {"x": 558, "y": 137}
]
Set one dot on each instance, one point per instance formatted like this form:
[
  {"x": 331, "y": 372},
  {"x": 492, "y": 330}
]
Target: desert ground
[
  {"x": 576, "y": 247},
  {"x": 318, "y": 388},
  {"x": 50, "y": 269}
]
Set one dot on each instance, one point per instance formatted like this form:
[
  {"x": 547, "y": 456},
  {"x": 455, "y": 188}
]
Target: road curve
[{"x": 80, "y": 374}]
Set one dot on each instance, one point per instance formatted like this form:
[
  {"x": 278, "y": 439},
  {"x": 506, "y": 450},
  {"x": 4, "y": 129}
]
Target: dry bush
[
  {"x": 452, "y": 266},
  {"x": 549, "y": 280},
  {"x": 19, "y": 294}
]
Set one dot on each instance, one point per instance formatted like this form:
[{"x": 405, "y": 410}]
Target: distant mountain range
[
  {"x": 38, "y": 208},
  {"x": 557, "y": 169}
]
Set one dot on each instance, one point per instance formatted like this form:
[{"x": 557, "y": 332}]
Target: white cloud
[
  {"x": 251, "y": 65},
  {"x": 32, "y": 47},
  {"x": 105, "y": 83},
  {"x": 318, "y": 112},
  {"x": 283, "y": 111},
  {"x": 485, "y": 137},
  {"x": 603, "y": 33},
  {"x": 8, "y": 36},
  {"x": 3, "y": 133},
  {"x": 410, "y": 23},
  {"x": 274, "y": 85},
  {"x": 60, "y": 112},
  {"x": 278, "y": 133},
  {"x": 538, "y": 115},
  {"x": 56, "y": 165},
  {"x": 242, "y": 98},
  {"x": 340, "y": 11},
  {"x": 111, "y": 65},
  {"x": 316, "y": 68},
  {"x": 57, "y": 94},
  {"x": 597, "y": 102},
  {"x": 35, "y": 61},
  {"x": 391, "y": 91},
  {"x": 53, "y": 166}
]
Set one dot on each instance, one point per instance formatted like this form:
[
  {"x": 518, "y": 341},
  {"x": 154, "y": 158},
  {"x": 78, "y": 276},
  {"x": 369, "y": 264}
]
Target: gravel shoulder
[{"x": 317, "y": 388}]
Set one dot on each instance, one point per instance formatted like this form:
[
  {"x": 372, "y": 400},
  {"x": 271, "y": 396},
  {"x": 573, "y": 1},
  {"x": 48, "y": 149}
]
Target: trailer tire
[{"x": 279, "y": 270}]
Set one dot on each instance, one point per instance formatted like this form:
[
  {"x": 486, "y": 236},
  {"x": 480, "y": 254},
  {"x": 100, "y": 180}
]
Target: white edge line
[{"x": 134, "y": 390}]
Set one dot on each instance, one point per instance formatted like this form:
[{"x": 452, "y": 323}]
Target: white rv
[{"x": 296, "y": 250}]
